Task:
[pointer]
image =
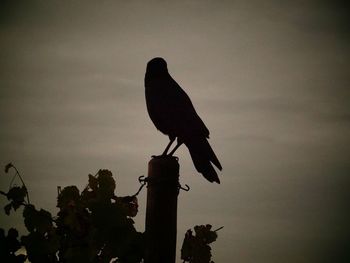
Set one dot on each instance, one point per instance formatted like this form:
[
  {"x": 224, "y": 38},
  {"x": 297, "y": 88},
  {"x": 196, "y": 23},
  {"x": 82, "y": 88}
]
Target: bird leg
[
  {"x": 179, "y": 143},
  {"x": 172, "y": 139}
]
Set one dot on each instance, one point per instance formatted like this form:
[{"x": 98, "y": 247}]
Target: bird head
[{"x": 157, "y": 66}]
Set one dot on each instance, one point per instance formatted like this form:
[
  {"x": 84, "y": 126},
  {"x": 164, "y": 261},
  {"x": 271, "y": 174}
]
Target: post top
[
  {"x": 167, "y": 166},
  {"x": 164, "y": 159}
]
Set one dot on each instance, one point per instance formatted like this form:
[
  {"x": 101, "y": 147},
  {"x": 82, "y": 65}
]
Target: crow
[{"x": 172, "y": 112}]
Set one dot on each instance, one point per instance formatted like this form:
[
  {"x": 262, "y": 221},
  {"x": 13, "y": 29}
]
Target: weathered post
[{"x": 161, "y": 211}]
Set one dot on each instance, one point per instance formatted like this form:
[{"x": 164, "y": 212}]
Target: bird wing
[
  {"x": 193, "y": 132},
  {"x": 181, "y": 113}
]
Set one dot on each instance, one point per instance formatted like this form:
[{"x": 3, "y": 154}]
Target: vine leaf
[
  {"x": 195, "y": 248},
  {"x": 39, "y": 221},
  {"x": 205, "y": 234},
  {"x": 40, "y": 248},
  {"x": 16, "y": 197},
  {"x": 130, "y": 204},
  {"x": 9, "y": 246},
  {"x": 93, "y": 182},
  {"x": 69, "y": 196},
  {"x": 106, "y": 184}
]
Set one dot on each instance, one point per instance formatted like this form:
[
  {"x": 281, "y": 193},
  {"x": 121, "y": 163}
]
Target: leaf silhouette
[
  {"x": 34, "y": 220},
  {"x": 16, "y": 197},
  {"x": 130, "y": 204},
  {"x": 195, "y": 248},
  {"x": 69, "y": 196},
  {"x": 93, "y": 182},
  {"x": 9, "y": 245}
]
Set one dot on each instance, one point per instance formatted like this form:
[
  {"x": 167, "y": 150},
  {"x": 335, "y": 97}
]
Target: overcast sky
[{"x": 270, "y": 79}]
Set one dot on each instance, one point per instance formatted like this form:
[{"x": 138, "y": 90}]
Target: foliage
[
  {"x": 195, "y": 248},
  {"x": 9, "y": 245},
  {"x": 94, "y": 225},
  {"x": 16, "y": 197}
]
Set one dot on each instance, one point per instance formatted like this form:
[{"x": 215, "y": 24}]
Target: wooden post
[{"x": 161, "y": 211}]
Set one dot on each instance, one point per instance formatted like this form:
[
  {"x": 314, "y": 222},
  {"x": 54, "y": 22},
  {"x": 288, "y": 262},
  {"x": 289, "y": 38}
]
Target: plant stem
[{"x": 20, "y": 177}]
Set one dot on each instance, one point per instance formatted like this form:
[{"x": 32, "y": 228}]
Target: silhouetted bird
[{"x": 172, "y": 112}]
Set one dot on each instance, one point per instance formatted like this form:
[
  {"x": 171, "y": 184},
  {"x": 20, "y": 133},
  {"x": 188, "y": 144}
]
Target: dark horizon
[{"x": 269, "y": 79}]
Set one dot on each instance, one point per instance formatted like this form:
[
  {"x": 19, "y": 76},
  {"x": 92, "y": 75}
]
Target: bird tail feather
[{"x": 203, "y": 156}]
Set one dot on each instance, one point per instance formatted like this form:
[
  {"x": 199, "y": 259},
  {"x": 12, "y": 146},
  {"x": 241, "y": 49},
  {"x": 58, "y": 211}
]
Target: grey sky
[{"x": 269, "y": 78}]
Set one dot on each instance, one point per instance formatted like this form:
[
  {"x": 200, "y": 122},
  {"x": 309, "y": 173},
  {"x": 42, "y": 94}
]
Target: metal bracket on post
[
  {"x": 143, "y": 181},
  {"x": 183, "y": 188}
]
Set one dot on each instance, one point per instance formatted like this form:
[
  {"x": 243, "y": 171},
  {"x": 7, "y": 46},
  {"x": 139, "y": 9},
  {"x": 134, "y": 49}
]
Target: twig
[{"x": 216, "y": 230}]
